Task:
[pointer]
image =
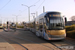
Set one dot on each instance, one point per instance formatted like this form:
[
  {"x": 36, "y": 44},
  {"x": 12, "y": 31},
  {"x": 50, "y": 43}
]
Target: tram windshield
[{"x": 55, "y": 23}]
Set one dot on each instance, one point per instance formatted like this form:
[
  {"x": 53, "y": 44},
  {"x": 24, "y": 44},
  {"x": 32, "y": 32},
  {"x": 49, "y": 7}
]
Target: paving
[
  {"x": 4, "y": 45},
  {"x": 26, "y": 39}
]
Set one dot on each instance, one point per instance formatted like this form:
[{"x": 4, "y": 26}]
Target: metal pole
[
  {"x": 29, "y": 13},
  {"x": 16, "y": 21},
  {"x": 28, "y": 10},
  {"x": 36, "y": 13},
  {"x": 43, "y": 9},
  {"x": 33, "y": 14},
  {"x": 13, "y": 19}
]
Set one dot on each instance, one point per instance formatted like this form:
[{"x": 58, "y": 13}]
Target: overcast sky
[{"x": 9, "y": 9}]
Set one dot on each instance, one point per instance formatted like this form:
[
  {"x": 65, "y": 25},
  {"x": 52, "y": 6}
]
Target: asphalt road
[{"x": 26, "y": 40}]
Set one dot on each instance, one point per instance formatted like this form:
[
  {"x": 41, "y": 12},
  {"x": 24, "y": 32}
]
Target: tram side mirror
[{"x": 65, "y": 19}]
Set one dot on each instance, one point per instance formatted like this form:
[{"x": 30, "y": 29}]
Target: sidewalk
[{"x": 4, "y": 45}]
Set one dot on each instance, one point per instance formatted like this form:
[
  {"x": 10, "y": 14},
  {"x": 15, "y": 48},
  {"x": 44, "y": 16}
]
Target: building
[{"x": 70, "y": 23}]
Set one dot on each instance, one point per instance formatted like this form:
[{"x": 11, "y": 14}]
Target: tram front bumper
[{"x": 56, "y": 38}]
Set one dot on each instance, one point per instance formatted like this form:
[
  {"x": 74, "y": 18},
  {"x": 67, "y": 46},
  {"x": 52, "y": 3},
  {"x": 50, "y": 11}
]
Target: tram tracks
[
  {"x": 57, "y": 47},
  {"x": 13, "y": 41},
  {"x": 68, "y": 46},
  {"x": 29, "y": 41}
]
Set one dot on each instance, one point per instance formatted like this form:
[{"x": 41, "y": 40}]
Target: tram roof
[{"x": 43, "y": 14}]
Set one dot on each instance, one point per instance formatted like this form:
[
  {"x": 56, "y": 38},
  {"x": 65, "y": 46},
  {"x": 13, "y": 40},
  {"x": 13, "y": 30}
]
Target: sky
[{"x": 9, "y": 9}]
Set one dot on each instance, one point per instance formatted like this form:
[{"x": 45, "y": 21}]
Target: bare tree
[{"x": 73, "y": 18}]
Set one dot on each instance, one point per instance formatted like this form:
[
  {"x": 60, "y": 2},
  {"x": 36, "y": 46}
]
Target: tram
[{"x": 49, "y": 25}]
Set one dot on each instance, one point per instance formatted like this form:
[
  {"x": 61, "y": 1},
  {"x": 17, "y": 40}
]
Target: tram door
[{"x": 41, "y": 26}]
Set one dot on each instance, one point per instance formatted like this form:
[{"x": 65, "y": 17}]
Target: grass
[{"x": 70, "y": 31}]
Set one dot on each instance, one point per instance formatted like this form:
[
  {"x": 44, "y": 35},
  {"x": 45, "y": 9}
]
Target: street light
[
  {"x": 16, "y": 19},
  {"x": 28, "y": 10}
]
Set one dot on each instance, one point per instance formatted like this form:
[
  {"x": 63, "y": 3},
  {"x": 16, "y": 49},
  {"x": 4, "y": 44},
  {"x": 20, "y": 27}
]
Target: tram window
[
  {"x": 47, "y": 22},
  {"x": 40, "y": 27},
  {"x": 48, "y": 19}
]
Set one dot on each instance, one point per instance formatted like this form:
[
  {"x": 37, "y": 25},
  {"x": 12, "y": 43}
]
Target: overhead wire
[
  {"x": 36, "y": 2},
  {"x": 22, "y": 11},
  {"x": 5, "y": 5},
  {"x": 33, "y": 4},
  {"x": 40, "y": 5}
]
